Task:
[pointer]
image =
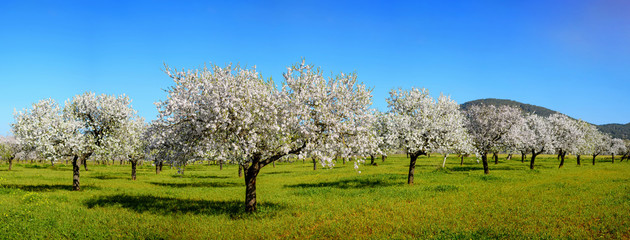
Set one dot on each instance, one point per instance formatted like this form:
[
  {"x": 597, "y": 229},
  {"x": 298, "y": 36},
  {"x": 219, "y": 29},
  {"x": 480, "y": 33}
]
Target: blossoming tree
[
  {"x": 9, "y": 147},
  {"x": 419, "y": 124},
  {"x": 235, "y": 115},
  {"x": 78, "y": 130},
  {"x": 616, "y": 146},
  {"x": 489, "y": 126},
  {"x": 565, "y": 135}
]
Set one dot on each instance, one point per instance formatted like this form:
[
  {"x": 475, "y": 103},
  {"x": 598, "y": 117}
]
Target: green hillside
[{"x": 614, "y": 130}]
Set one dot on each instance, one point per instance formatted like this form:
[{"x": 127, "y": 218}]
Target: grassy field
[{"x": 295, "y": 202}]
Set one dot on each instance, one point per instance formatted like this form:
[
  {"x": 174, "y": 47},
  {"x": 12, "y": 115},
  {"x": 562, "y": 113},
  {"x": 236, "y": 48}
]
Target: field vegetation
[{"x": 297, "y": 202}]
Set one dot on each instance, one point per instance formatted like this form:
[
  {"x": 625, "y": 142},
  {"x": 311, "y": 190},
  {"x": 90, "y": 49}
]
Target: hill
[{"x": 615, "y": 130}]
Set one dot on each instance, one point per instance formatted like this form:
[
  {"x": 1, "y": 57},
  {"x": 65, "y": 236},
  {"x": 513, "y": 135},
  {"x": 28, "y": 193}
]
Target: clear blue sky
[{"x": 569, "y": 56}]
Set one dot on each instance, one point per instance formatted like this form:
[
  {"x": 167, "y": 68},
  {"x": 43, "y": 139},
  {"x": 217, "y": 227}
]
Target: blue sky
[{"x": 569, "y": 56}]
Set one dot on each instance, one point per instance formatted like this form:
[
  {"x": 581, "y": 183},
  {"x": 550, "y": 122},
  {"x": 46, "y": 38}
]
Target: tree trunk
[
  {"x": 371, "y": 159},
  {"x": 613, "y": 158},
  {"x": 412, "y": 167},
  {"x": 250, "y": 186},
  {"x": 314, "y": 164},
  {"x": 75, "y": 173},
  {"x": 157, "y": 167},
  {"x": 531, "y": 162},
  {"x": 578, "y": 159},
  {"x": 484, "y": 160},
  {"x": 10, "y": 163},
  {"x": 85, "y": 164},
  {"x": 240, "y": 170},
  {"x": 462, "y": 160},
  {"x": 383, "y": 157},
  {"x": 523, "y": 155},
  {"x": 496, "y": 158},
  {"x": 220, "y": 164},
  {"x": 562, "y": 153},
  {"x": 509, "y": 157},
  {"x": 274, "y": 164},
  {"x": 344, "y": 160},
  {"x": 444, "y": 162},
  {"x": 594, "y": 155},
  {"x": 133, "y": 169},
  {"x": 52, "y": 163}
]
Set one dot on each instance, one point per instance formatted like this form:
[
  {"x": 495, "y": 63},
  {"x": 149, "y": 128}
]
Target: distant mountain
[
  {"x": 615, "y": 130},
  {"x": 528, "y": 108}
]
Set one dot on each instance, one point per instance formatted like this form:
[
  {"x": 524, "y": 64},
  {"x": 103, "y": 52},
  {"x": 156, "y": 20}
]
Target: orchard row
[{"x": 231, "y": 114}]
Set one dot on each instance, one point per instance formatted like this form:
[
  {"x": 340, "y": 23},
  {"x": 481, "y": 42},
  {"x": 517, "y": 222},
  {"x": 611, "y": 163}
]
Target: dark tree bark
[
  {"x": 344, "y": 160},
  {"x": 75, "y": 173},
  {"x": 613, "y": 158},
  {"x": 314, "y": 164},
  {"x": 383, "y": 157},
  {"x": 578, "y": 159},
  {"x": 484, "y": 161},
  {"x": 251, "y": 173},
  {"x": 85, "y": 164},
  {"x": 462, "y": 160},
  {"x": 133, "y": 169},
  {"x": 11, "y": 163},
  {"x": 274, "y": 164},
  {"x": 495, "y": 156},
  {"x": 240, "y": 170},
  {"x": 509, "y": 157},
  {"x": 412, "y": 165},
  {"x": 158, "y": 167},
  {"x": 562, "y": 153},
  {"x": 371, "y": 159},
  {"x": 220, "y": 164},
  {"x": 523, "y": 155},
  {"x": 594, "y": 155},
  {"x": 534, "y": 154},
  {"x": 412, "y": 168}
]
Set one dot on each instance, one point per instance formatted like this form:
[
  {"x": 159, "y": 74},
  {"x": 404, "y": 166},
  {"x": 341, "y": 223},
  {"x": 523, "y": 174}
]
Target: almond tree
[
  {"x": 616, "y": 146},
  {"x": 78, "y": 130},
  {"x": 129, "y": 143},
  {"x": 627, "y": 152},
  {"x": 540, "y": 135},
  {"x": 594, "y": 142},
  {"x": 565, "y": 135},
  {"x": 419, "y": 124},
  {"x": 8, "y": 149},
  {"x": 247, "y": 120},
  {"x": 489, "y": 126}
]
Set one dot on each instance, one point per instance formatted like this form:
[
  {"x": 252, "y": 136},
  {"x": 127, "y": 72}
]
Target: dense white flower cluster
[
  {"x": 489, "y": 127},
  {"x": 81, "y": 129},
  {"x": 420, "y": 125},
  {"x": 233, "y": 114},
  {"x": 8, "y": 149}
]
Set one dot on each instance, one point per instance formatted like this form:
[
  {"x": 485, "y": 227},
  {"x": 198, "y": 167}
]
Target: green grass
[{"x": 574, "y": 202}]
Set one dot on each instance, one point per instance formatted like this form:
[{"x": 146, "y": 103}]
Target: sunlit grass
[{"x": 296, "y": 202}]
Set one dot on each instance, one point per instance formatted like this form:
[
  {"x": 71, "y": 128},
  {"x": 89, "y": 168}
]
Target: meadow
[{"x": 296, "y": 202}]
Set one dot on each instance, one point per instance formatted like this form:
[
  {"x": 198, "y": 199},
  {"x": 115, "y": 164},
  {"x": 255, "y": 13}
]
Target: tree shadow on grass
[
  {"x": 197, "y": 184},
  {"x": 168, "y": 205},
  {"x": 198, "y": 176},
  {"x": 347, "y": 184},
  {"x": 279, "y": 172},
  {"x": 479, "y": 168},
  {"x": 106, "y": 177},
  {"x": 46, "y": 187}
]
